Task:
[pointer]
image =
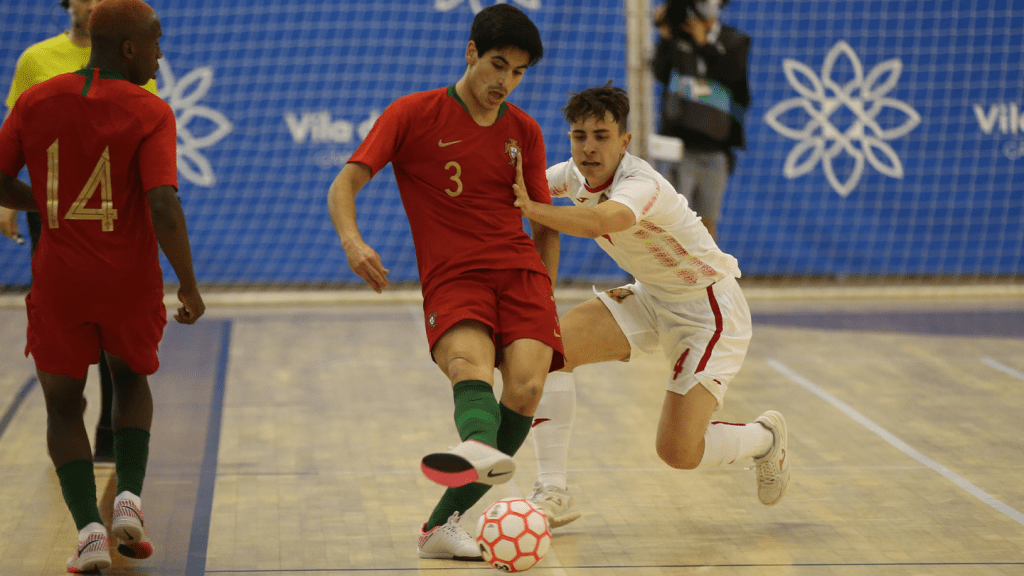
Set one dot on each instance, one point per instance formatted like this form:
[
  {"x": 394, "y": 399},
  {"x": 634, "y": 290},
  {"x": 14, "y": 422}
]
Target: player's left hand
[
  {"x": 523, "y": 201},
  {"x": 192, "y": 306}
]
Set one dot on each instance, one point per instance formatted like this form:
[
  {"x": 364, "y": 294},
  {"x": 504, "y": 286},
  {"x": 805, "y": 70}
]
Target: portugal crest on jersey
[
  {"x": 619, "y": 294},
  {"x": 513, "y": 149}
]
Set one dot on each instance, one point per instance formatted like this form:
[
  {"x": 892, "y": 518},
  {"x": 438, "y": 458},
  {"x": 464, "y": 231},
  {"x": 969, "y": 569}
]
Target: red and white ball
[{"x": 513, "y": 535}]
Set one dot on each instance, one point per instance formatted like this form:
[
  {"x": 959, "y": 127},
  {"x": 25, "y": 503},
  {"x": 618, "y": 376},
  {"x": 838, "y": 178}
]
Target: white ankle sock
[
  {"x": 725, "y": 443},
  {"x": 90, "y": 528},
  {"x": 126, "y": 495},
  {"x": 552, "y": 426}
]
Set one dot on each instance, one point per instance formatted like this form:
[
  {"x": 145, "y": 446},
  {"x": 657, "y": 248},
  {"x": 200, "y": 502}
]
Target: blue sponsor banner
[
  {"x": 884, "y": 138},
  {"x": 272, "y": 97}
]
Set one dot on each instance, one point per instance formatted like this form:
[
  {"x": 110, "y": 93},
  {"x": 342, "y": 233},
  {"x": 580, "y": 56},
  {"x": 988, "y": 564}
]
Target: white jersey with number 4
[{"x": 668, "y": 250}]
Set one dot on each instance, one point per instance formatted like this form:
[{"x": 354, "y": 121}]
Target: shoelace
[
  {"x": 453, "y": 527},
  {"x": 767, "y": 471}
]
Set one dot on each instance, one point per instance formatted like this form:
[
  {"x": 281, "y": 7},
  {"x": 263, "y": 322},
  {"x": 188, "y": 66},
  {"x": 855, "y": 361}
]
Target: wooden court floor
[{"x": 287, "y": 442}]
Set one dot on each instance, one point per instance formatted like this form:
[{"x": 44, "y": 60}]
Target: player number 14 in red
[{"x": 99, "y": 179}]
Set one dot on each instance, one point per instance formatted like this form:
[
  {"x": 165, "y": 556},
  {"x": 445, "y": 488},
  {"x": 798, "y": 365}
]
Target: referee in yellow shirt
[{"x": 66, "y": 52}]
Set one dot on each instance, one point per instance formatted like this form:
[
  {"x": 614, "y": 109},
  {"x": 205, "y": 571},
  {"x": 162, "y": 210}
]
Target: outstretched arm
[
  {"x": 584, "y": 221},
  {"x": 341, "y": 201},
  {"x": 172, "y": 235}
]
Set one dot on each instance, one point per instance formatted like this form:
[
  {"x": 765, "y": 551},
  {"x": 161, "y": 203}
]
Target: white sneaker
[
  {"x": 772, "y": 469},
  {"x": 448, "y": 542},
  {"x": 130, "y": 528},
  {"x": 555, "y": 503},
  {"x": 471, "y": 461},
  {"x": 93, "y": 552}
]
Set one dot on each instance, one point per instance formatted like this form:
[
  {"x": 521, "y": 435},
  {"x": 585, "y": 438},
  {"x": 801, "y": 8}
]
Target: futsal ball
[{"x": 513, "y": 535}]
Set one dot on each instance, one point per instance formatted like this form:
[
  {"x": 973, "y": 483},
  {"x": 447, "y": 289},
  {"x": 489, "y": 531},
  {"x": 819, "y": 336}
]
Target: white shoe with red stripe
[
  {"x": 93, "y": 552},
  {"x": 130, "y": 528},
  {"x": 448, "y": 541},
  {"x": 555, "y": 503}
]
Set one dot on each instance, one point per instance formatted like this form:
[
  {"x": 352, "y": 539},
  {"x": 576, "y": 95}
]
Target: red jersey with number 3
[
  {"x": 455, "y": 178},
  {"x": 94, "y": 144}
]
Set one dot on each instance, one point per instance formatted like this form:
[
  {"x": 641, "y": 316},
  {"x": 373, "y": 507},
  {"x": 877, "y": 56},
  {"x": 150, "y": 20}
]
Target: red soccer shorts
[
  {"x": 66, "y": 334},
  {"x": 514, "y": 303}
]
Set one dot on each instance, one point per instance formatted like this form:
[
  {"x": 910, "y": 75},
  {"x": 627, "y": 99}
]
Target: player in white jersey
[{"x": 685, "y": 301}]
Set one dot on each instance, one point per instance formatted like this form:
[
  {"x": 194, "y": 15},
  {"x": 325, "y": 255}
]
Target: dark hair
[
  {"x": 597, "y": 102},
  {"x": 65, "y": 4},
  {"x": 504, "y": 25},
  {"x": 677, "y": 12}
]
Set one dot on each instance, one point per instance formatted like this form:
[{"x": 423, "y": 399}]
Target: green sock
[
  {"x": 78, "y": 483},
  {"x": 476, "y": 412},
  {"x": 511, "y": 434},
  {"x": 513, "y": 430},
  {"x": 131, "y": 452}
]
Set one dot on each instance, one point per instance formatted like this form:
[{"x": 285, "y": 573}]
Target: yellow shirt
[{"x": 49, "y": 58}]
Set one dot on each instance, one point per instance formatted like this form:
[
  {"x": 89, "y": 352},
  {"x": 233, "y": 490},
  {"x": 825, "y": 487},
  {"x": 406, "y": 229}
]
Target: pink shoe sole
[{"x": 452, "y": 479}]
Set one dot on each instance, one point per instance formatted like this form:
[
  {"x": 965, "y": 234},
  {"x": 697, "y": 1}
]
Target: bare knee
[
  {"x": 680, "y": 454},
  {"x": 63, "y": 394},
  {"x": 460, "y": 368},
  {"x": 523, "y": 397},
  {"x": 124, "y": 378},
  {"x": 64, "y": 408}
]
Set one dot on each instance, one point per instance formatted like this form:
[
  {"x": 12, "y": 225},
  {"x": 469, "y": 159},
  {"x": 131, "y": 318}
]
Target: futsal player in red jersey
[
  {"x": 487, "y": 286},
  {"x": 101, "y": 154}
]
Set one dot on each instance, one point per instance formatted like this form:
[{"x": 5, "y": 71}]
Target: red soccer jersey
[
  {"x": 455, "y": 178},
  {"x": 94, "y": 144}
]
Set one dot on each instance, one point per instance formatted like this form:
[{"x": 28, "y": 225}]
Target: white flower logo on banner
[
  {"x": 476, "y": 6},
  {"x": 183, "y": 96},
  {"x": 864, "y": 139}
]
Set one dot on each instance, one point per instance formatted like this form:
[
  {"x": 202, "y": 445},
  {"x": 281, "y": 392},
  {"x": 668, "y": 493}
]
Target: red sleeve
[
  {"x": 535, "y": 163},
  {"x": 387, "y": 134},
  {"x": 158, "y": 157},
  {"x": 12, "y": 157}
]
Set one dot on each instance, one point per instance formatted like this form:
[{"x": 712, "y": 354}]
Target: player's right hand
[
  {"x": 523, "y": 200},
  {"x": 365, "y": 262},
  {"x": 192, "y": 306},
  {"x": 9, "y": 223}
]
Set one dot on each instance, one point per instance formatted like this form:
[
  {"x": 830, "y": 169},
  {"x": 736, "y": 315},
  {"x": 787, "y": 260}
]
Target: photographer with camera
[{"x": 702, "y": 65}]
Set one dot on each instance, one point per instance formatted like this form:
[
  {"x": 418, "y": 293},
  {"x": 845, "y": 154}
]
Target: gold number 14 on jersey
[{"x": 100, "y": 178}]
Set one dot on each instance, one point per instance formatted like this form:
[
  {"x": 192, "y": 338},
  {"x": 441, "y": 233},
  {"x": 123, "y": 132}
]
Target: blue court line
[
  {"x": 15, "y": 404},
  {"x": 542, "y": 568},
  {"x": 196, "y": 565}
]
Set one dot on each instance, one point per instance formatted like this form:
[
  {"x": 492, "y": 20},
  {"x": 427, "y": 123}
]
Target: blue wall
[{"x": 272, "y": 97}]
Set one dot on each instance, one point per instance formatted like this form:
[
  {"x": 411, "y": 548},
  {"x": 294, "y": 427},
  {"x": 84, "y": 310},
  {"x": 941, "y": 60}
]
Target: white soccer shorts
[{"x": 704, "y": 336}]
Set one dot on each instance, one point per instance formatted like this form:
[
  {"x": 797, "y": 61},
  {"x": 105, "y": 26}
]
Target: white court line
[
  {"x": 896, "y": 442},
  {"x": 1003, "y": 368}
]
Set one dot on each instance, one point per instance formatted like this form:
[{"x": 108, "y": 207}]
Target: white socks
[
  {"x": 126, "y": 495},
  {"x": 725, "y": 443},
  {"x": 552, "y": 426},
  {"x": 89, "y": 529}
]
